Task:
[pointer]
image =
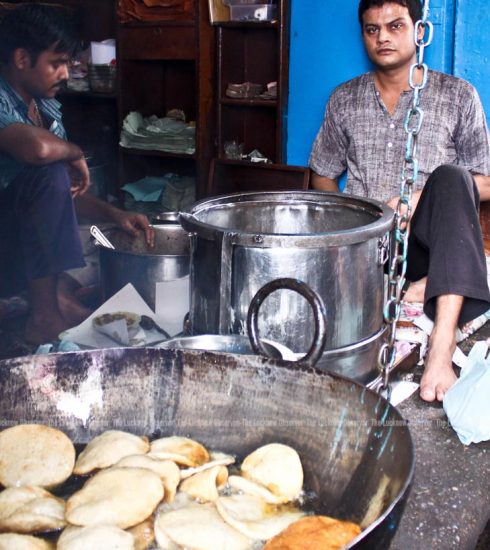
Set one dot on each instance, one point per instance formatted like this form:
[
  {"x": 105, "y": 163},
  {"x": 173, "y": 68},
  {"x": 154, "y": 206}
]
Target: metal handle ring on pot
[{"x": 319, "y": 312}]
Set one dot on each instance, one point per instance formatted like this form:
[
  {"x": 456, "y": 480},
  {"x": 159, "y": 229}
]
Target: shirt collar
[
  {"x": 49, "y": 106},
  {"x": 13, "y": 95}
]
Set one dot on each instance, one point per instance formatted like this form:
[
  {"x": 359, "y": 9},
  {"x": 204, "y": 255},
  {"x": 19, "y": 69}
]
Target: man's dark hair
[
  {"x": 36, "y": 28},
  {"x": 414, "y": 7}
]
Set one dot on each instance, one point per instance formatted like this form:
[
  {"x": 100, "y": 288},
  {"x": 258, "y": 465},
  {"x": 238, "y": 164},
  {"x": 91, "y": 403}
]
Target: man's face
[
  {"x": 388, "y": 33},
  {"x": 45, "y": 78}
]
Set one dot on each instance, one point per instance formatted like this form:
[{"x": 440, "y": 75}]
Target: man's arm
[
  {"x": 483, "y": 184},
  {"x": 96, "y": 210},
  {"x": 37, "y": 146},
  {"x": 324, "y": 184}
]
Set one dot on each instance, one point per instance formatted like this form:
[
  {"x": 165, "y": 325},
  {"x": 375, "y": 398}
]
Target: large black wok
[{"x": 355, "y": 448}]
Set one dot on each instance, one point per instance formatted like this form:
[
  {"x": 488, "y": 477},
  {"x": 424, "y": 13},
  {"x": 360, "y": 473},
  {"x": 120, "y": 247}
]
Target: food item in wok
[
  {"x": 122, "y": 326},
  {"x": 181, "y": 450},
  {"x": 35, "y": 455},
  {"x": 119, "y": 496},
  {"x": 278, "y": 468},
  {"x": 167, "y": 470},
  {"x": 215, "y": 459},
  {"x": 108, "y": 448},
  {"x": 197, "y": 526},
  {"x": 321, "y": 532},
  {"x": 134, "y": 486},
  {"x": 12, "y": 541},
  {"x": 254, "y": 518},
  {"x": 99, "y": 536},
  {"x": 30, "y": 510},
  {"x": 143, "y": 534},
  {"x": 243, "y": 485},
  {"x": 204, "y": 485}
]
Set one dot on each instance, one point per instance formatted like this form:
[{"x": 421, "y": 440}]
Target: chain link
[{"x": 424, "y": 32}]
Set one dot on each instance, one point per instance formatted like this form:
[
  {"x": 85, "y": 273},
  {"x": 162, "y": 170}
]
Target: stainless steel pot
[
  {"x": 134, "y": 262},
  {"x": 355, "y": 448},
  {"x": 236, "y": 343},
  {"x": 335, "y": 243}
]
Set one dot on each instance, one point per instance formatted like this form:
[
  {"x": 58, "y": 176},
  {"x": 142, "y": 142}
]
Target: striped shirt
[
  {"x": 13, "y": 109},
  {"x": 359, "y": 135}
]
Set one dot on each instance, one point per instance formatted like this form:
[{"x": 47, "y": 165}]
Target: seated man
[
  {"x": 43, "y": 177},
  {"x": 363, "y": 133}
]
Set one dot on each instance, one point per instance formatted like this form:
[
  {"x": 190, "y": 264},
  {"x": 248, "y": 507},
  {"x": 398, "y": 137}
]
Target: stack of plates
[{"x": 102, "y": 78}]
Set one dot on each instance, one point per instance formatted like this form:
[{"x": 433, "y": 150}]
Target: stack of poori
[{"x": 171, "y": 493}]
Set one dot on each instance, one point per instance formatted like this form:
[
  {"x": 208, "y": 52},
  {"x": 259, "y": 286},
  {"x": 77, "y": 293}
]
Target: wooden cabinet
[
  {"x": 162, "y": 66},
  {"x": 254, "y": 52}
]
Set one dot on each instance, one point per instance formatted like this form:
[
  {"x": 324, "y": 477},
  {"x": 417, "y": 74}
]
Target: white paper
[
  {"x": 172, "y": 304},
  {"x": 127, "y": 299},
  {"x": 402, "y": 390},
  {"x": 102, "y": 53}
]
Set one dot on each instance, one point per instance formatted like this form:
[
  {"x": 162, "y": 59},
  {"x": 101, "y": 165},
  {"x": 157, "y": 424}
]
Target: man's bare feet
[
  {"x": 438, "y": 375},
  {"x": 72, "y": 310},
  {"x": 44, "y": 329},
  {"x": 416, "y": 291}
]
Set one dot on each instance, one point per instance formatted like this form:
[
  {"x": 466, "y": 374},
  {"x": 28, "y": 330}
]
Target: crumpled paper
[
  {"x": 467, "y": 402},
  {"x": 122, "y": 326},
  {"x": 126, "y": 299}
]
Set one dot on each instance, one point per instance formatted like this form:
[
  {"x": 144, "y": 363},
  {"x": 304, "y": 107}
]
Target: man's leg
[
  {"x": 43, "y": 226},
  {"x": 45, "y": 321},
  {"x": 446, "y": 246},
  {"x": 439, "y": 375}
]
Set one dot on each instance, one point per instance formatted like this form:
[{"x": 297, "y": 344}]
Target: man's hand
[
  {"x": 132, "y": 222},
  {"x": 393, "y": 203},
  {"x": 80, "y": 181}
]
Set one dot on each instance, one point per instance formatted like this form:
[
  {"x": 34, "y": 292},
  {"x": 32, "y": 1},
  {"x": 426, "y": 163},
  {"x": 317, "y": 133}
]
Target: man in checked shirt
[{"x": 363, "y": 133}]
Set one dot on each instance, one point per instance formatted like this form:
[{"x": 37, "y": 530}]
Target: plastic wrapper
[{"x": 467, "y": 403}]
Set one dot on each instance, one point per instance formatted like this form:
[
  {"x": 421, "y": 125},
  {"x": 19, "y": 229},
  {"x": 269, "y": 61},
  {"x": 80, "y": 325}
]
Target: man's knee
[
  {"x": 56, "y": 176},
  {"x": 450, "y": 175},
  {"x": 51, "y": 182},
  {"x": 453, "y": 181}
]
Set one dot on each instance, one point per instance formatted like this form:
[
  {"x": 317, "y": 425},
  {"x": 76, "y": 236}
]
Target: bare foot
[
  {"x": 438, "y": 374},
  {"x": 45, "y": 329},
  {"x": 72, "y": 310},
  {"x": 416, "y": 291}
]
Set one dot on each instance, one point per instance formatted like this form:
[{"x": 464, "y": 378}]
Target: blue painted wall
[
  {"x": 326, "y": 50},
  {"x": 472, "y": 46}
]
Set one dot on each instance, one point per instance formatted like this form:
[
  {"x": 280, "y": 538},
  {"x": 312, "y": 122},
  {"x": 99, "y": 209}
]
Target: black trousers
[
  {"x": 39, "y": 234},
  {"x": 446, "y": 245}
]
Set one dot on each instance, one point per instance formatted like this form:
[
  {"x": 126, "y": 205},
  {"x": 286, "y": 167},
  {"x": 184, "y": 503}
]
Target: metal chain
[{"x": 424, "y": 32}]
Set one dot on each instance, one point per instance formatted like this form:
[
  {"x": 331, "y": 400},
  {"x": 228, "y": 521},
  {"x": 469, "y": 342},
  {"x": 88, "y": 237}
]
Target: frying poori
[{"x": 173, "y": 491}]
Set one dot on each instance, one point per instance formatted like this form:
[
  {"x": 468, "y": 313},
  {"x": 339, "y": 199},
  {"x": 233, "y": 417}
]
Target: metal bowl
[{"x": 231, "y": 343}]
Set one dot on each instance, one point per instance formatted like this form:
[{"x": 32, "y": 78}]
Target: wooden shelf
[
  {"x": 233, "y": 176},
  {"x": 249, "y": 52},
  {"x": 249, "y": 24},
  {"x": 167, "y": 65},
  {"x": 155, "y": 153},
  {"x": 163, "y": 23},
  {"x": 88, "y": 94},
  {"x": 249, "y": 102}
]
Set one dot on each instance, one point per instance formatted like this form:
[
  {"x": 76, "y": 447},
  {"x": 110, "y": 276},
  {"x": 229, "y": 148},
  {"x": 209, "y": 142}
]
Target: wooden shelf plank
[
  {"x": 249, "y": 102},
  {"x": 88, "y": 94},
  {"x": 155, "y": 153},
  {"x": 249, "y": 24}
]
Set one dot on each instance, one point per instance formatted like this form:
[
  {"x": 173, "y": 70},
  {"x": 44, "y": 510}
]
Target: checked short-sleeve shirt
[{"x": 359, "y": 135}]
